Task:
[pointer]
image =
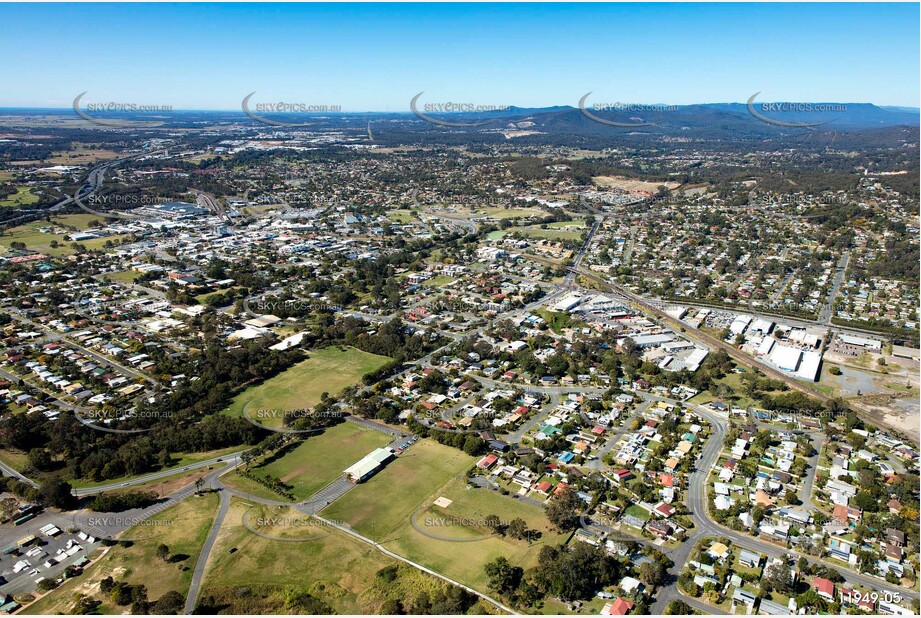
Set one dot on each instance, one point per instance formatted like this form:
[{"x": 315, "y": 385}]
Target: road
[
  {"x": 516, "y": 436},
  {"x": 812, "y": 465},
  {"x": 195, "y": 585},
  {"x": 580, "y": 255},
  {"x": 95, "y": 179},
  {"x": 705, "y": 526},
  {"x": 696, "y": 501},
  {"x": 49, "y": 336},
  {"x": 698, "y": 506},
  {"x": 230, "y": 459},
  {"x": 8, "y": 471},
  {"x": 828, "y": 309}
]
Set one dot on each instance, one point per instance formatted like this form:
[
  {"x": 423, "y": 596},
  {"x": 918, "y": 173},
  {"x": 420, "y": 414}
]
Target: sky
[{"x": 376, "y": 57}]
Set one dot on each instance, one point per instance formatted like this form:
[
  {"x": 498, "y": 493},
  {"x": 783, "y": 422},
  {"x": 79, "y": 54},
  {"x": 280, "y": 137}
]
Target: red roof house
[
  {"x": 487, "y": 462},
  {"x": 619, "y": 607},
  {"x": 825, "y": 588}
]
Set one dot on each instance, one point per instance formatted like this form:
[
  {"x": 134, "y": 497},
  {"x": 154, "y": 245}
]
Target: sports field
[
  {"x": 559, "y": 230},
  {"x": 466, "y": 543},
  {"x": 328, "y": 370},
  {"x": 315, "y": 462},
  {"x": 35, "y": 240},
  {"x": 402, "y": 216},
  {"x": 381, "y": 506}
]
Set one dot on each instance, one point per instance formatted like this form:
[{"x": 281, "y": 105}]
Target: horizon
[
  {"x": 373, "y": 58},
  {"x": 512, "y": 106}
]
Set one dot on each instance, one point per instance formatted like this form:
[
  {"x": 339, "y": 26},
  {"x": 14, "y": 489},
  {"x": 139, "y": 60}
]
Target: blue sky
[{"x": 376, "y": 57}]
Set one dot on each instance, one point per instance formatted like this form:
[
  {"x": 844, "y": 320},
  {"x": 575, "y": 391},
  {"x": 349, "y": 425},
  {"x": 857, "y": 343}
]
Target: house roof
[
  {"x": 620, "y": 607},
  {"x": 487, "y": 461},
  {"x": 718, "y": 549},
  {"x": 824, "y": 586}
]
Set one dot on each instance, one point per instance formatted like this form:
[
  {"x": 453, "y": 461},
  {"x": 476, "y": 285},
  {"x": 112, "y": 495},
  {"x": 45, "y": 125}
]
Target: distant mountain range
[
  {"x": 726, "y": 116},
  {"x": 846, "y": 125},
  {"x": 842, "y": 115}
]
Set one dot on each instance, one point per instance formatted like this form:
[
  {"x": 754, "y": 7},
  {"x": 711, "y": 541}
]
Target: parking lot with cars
[{"x": 42, "y": 548}]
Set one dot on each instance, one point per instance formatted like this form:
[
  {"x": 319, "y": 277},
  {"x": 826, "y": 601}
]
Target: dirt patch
[
  {"x": 888, "y": 410},
  {"x": 631, "y": 185},
  {"x": 169, "y": 486}
]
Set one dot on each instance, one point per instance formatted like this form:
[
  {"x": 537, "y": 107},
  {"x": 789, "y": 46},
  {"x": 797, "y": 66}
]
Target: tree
[
  {"x": 199, "y": 483},
  {"x": 652, "y": 573},
  {"x": 162, "y": 552},
  {"x": 57, "y": 493},
  {"x": 171, "y": 603},
  {"x": 517, "y": 528},
  {"x": 392, "y": 607},
  {"x": 503, "y": 576},
  {"x": 678, "y": 608},
  {"x": 777, "y": 577},
  {"x": 40, "y": 459},
  {"x": 575, "y": 572},
  {"x": 47, "y": 584},
  {"x": 84, "y": 604},
  {"x": 494, "y": 523},
  {"x": 8, "y": 506},
  {"x": 564, "y": 509},
  {"x": 473, "y": 445}
]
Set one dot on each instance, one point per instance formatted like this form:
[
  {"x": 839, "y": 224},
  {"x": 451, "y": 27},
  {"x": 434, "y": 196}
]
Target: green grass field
[
  {"x": 439, "y": 280},
  {"x": 735, "y": 383},
  {"x": 558, "y": 230},
  {"x": 189, "y": 522},
  {"x": 17, "y": 460},
  {"x": 337, "y": 569},
  {"x": 402, "y": 216},
  {"x": 22, "y": 197},
  {"x": 334, "y": 567},
  {"x": 328, "y": 370},
  {"x": 125, "y": 276},
  {"x": 35, "y": 240},
  {"x": 315, "y": 462},
  {"x": 638, "y": 512},
  {"x": 498, "y": 212},
  {"x": 558, "y": 320},
  {"x": 463, "y": 519},
  {"x": 382, "y": 505}
]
